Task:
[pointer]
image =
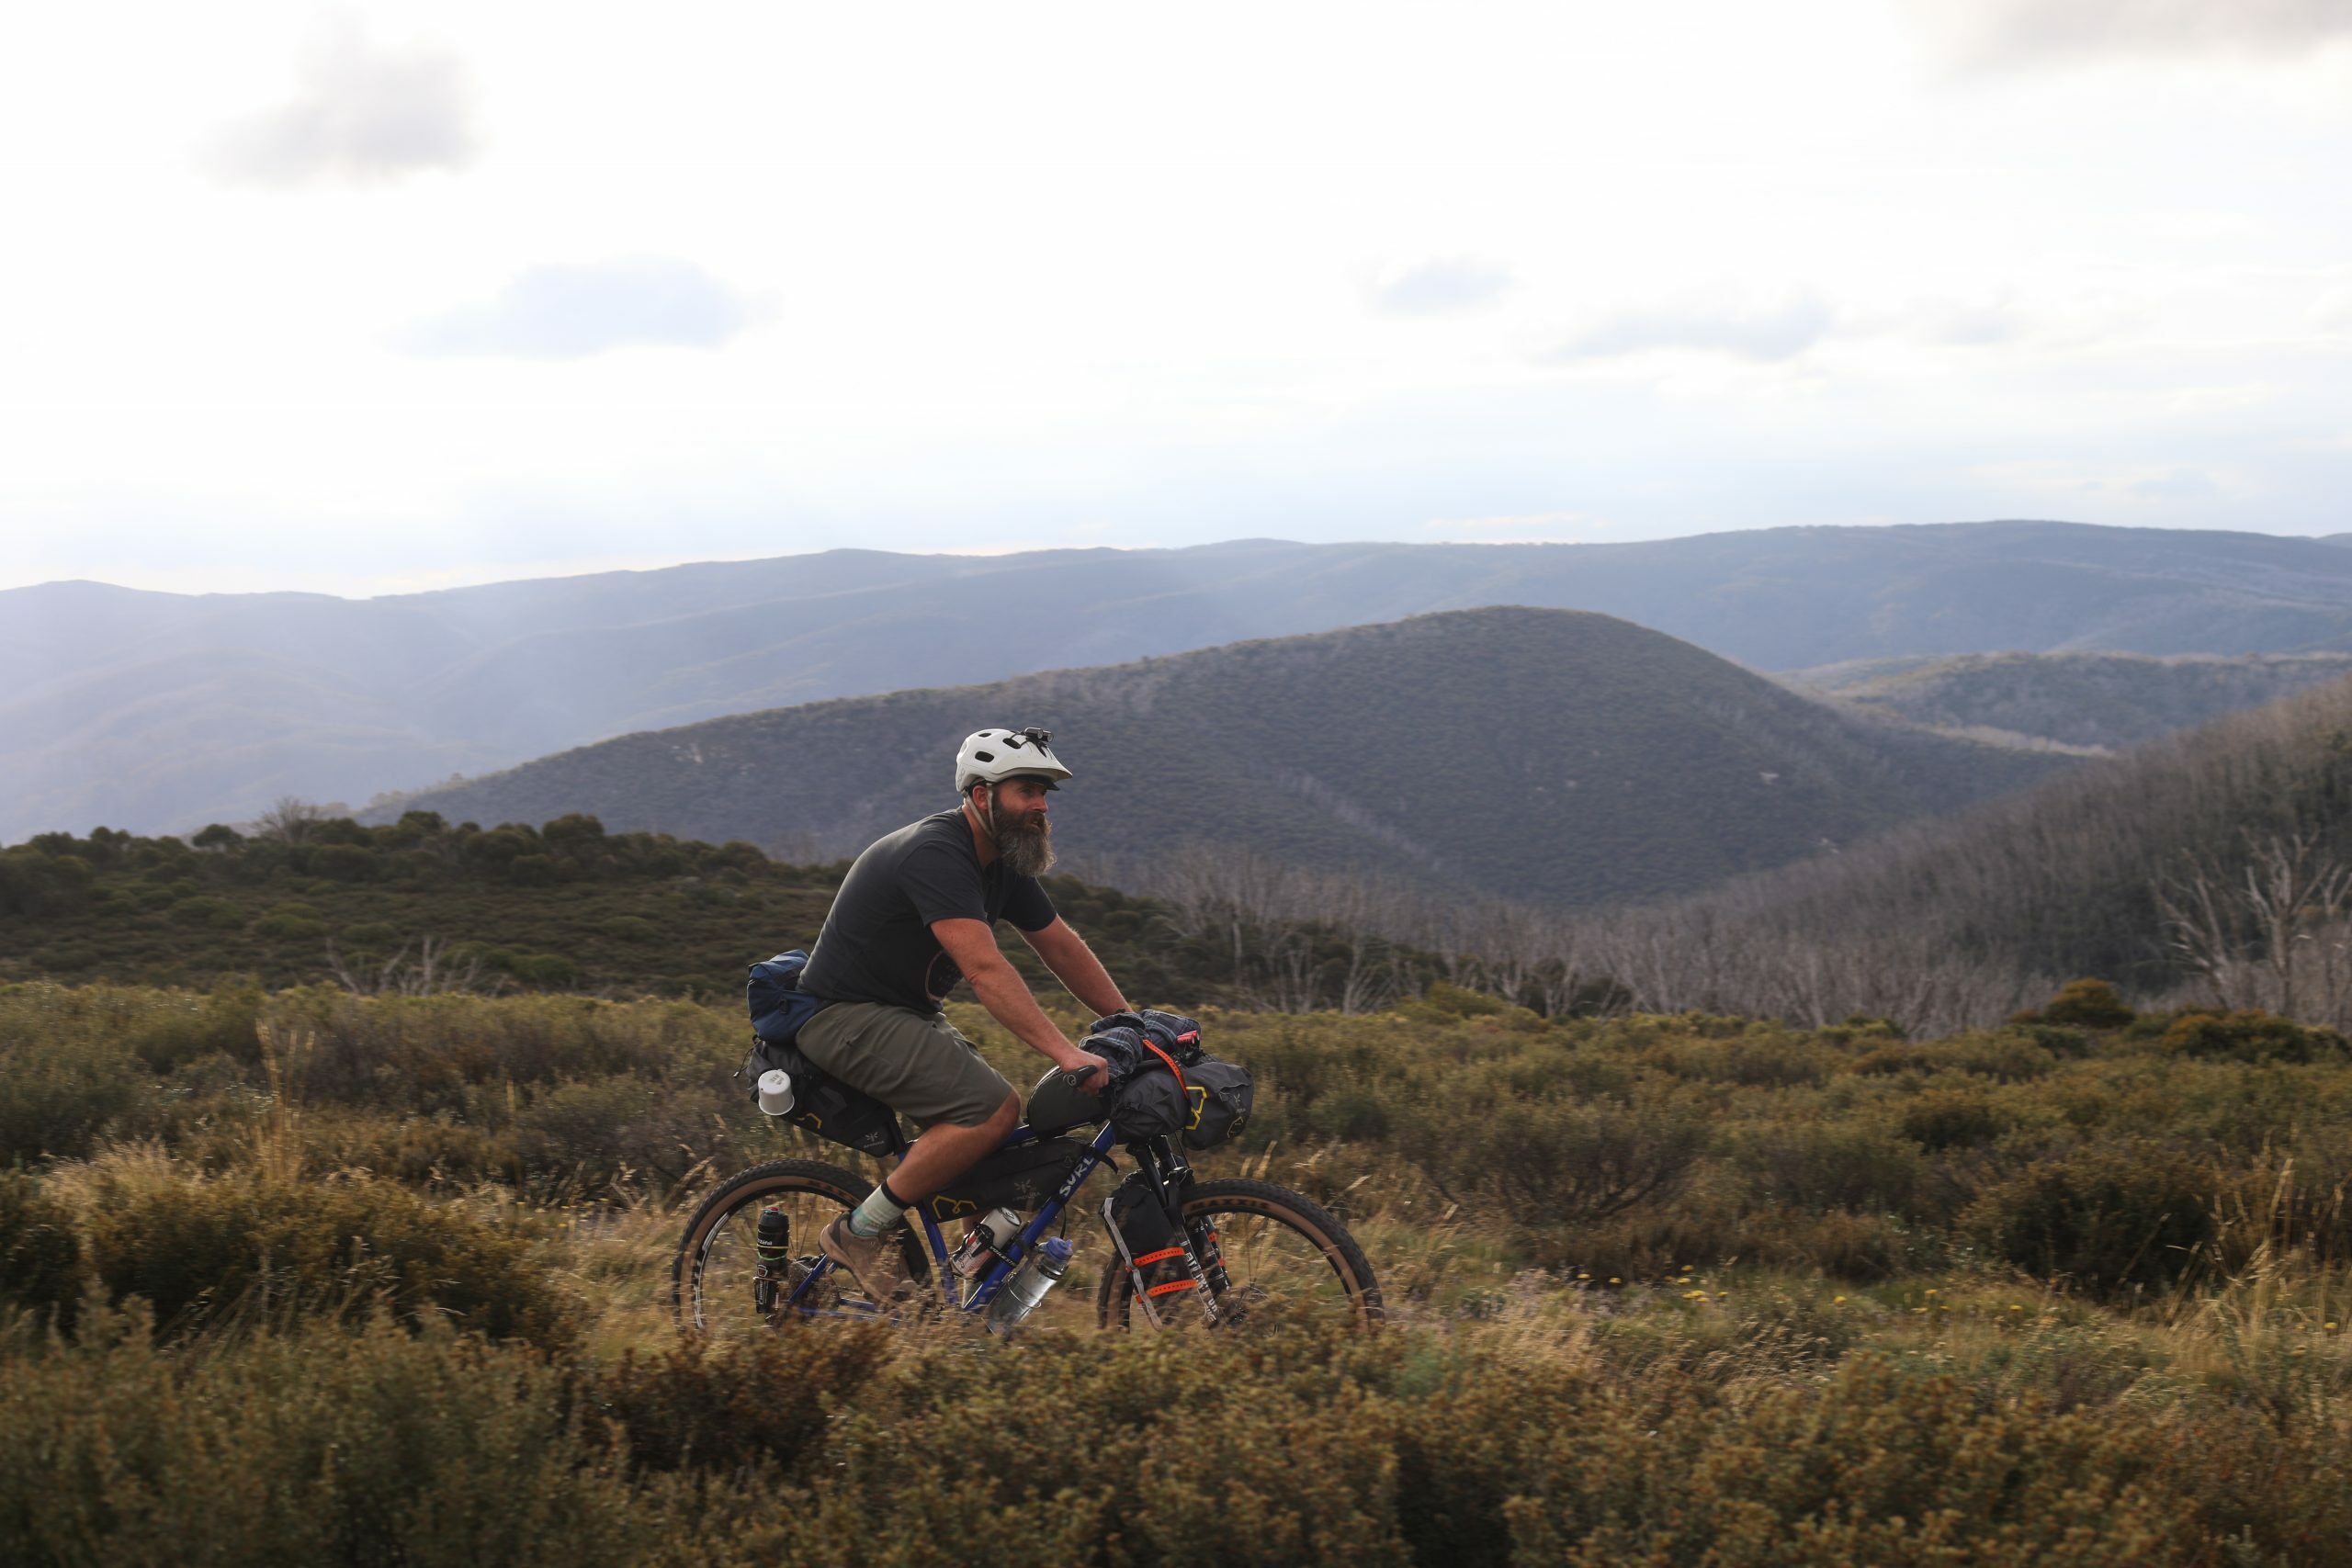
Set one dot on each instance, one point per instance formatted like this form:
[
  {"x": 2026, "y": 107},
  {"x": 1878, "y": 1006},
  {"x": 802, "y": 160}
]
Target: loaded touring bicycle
[{"x": 1179, "y": 1249}]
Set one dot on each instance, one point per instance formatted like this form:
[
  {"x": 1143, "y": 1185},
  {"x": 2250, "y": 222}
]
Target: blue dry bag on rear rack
[{"x": 779, "y": 1007}]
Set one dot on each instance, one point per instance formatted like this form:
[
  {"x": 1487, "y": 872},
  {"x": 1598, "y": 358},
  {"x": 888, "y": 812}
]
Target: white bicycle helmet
[{"x": 992, "y": 756}]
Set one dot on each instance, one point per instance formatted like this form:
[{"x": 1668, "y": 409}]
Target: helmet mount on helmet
[{"x": 992, "y": 756}]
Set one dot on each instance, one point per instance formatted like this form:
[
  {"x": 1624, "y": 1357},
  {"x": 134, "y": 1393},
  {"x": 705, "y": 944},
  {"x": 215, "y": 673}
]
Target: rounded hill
[{"x": 1560, "y": 756}]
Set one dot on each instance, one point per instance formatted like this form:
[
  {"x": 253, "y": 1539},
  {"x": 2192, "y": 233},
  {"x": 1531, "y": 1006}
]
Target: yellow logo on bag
[
  {"x": 1199, "y": 1095},
  {"x": 945, "y": 1208}
]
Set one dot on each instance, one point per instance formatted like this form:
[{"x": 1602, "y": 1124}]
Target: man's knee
[
  {"x": 996, "y": 1123},
  {"x": 1000, "y": 1120}
]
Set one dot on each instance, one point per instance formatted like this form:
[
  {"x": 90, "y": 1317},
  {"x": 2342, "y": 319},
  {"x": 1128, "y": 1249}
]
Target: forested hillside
[
  {"x": 1552, "y": 756},
  {"x": 2219, "y": 860},
  {"x": 159, "y": 712},
  {"x": 2110, "y": 701}
]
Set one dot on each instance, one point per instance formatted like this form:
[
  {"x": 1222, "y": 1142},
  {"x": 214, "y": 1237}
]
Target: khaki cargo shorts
[{"x": 914, "y": 1063}]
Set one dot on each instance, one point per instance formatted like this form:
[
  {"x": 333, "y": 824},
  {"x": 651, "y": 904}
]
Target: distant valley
[{"x": 2094, "y": 702}]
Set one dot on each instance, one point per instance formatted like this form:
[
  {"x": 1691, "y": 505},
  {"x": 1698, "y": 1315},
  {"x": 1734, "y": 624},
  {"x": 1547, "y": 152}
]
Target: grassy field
[{"x": 305, "y": 1277}]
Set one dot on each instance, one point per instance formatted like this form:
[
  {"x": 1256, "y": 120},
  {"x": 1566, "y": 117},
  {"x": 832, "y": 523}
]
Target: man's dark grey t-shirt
[{"x": 876, "y": 945}]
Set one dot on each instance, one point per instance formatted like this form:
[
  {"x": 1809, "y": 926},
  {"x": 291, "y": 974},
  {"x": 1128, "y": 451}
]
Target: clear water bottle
[
  {"x": 775, "y": 1092},
  {"x": 1040, "y": 1272}
]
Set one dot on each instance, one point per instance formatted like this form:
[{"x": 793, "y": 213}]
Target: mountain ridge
[
  {"x": 1664, "y": 767},
  {"x": 493, "y": 674}
]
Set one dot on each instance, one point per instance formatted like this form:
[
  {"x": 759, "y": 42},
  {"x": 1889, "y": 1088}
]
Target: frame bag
[{"x": 1021, "y": 1177}]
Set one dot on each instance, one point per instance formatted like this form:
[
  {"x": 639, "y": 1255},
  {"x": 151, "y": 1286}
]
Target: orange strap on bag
[{"x": 1164, "y": 1056}]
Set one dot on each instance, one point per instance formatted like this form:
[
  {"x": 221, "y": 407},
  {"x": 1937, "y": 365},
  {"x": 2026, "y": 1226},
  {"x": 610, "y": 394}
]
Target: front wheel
[
  {"x": 1270, "y": 1254},
  {"x": 716, "y": 1283}
]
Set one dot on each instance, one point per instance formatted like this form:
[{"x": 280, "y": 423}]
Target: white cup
[{"x": 775, "y": 1092}]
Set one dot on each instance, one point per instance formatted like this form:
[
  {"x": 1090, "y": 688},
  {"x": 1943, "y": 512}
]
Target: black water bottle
[
  {"x": 773, "y": 1250},
  {"x": 775, "y": 1240}
]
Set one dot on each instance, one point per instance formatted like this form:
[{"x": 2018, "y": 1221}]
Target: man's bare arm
[
  {"x": 1006, "y": 995},
  {"x": 1074, "y": 964}
]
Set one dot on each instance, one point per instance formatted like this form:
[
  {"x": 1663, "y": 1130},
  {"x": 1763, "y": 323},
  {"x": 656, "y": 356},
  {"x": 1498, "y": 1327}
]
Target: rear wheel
[
  {"x": 1270, "y": 1254},
  {"x": 715, "y": 1282}
]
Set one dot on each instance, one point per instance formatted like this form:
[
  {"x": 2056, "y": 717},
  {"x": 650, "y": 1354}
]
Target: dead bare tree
[
  {"x": 288, "y": 820},
  {"x": 2273, "y": 933},
  {"x": 428, "y": 973}
]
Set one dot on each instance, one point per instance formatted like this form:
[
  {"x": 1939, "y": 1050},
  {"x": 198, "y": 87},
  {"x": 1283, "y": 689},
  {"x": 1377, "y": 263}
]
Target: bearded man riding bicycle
[{"x": 916, "y": 914}]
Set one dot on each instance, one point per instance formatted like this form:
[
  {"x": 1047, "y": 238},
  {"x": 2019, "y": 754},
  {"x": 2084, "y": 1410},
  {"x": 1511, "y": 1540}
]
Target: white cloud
[
  {"x": 2010, "y": 33},
  {"x": 1441, "y": 286},
  {"x": 1766, "y": 335},
  {"x": 1962, "y": 323},
  {"x": 361, "y": 116},
  {"x": 566, "y": 312}
]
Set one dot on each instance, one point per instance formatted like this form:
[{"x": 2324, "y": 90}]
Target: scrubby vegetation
[
  {"x": 421, "y": 906},
  {"x": 306, "y": 1275}
]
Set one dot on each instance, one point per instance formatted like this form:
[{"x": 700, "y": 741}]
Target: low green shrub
[
  {"x": 219, "y": 914},
  {"x": 1820, "y": 1166},
  {"x": 2086, "y": 1004},
  {"x": 40, "y": 1255},
  {"x": 2251, "y": 1035},
  {"x": 253, "y": 1246},
  {"x": 2109, "y": 1219},
  {"x": 1551, "y": 1162},
  {"x": 1875, "y": 1468},
  {"x": 2009, "y": 1055},
  {"x": 1939, "y": 1119},
  {"x": 718, "y": 1406},
  {"x": 366, "y": 1449}
]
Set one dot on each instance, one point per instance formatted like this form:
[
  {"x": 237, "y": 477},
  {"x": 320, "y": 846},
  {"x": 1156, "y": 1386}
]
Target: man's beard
[{"x": 1023, "y": 843}]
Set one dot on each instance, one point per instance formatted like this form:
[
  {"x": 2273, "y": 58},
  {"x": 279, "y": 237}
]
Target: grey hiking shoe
[{"x": 876, "y": 1261}]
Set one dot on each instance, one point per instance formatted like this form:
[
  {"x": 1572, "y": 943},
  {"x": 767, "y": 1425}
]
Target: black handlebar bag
[
  {"x": 1163, "y": 1083},
  {"x": 1218, "y": 1096}
]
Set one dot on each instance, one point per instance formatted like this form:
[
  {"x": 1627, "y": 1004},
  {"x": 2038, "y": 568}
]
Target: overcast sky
[{"x": 376, "y": 298}]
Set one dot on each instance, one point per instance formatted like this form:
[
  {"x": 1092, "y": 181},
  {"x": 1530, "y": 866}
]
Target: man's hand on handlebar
[{"x": 1089, "y": 1073}]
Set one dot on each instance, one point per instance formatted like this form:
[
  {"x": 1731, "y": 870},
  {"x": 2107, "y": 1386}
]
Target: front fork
[{"x": 1203, "y": 1258}]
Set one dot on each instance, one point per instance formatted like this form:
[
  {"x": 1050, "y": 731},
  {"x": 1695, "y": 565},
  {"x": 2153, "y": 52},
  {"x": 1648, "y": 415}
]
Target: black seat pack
[{"x": 823, "y": 1105}]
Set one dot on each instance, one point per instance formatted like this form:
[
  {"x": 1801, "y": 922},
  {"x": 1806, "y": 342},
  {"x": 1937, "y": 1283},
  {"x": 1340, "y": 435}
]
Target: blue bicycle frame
[{"x": 983, "y": 1290}]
